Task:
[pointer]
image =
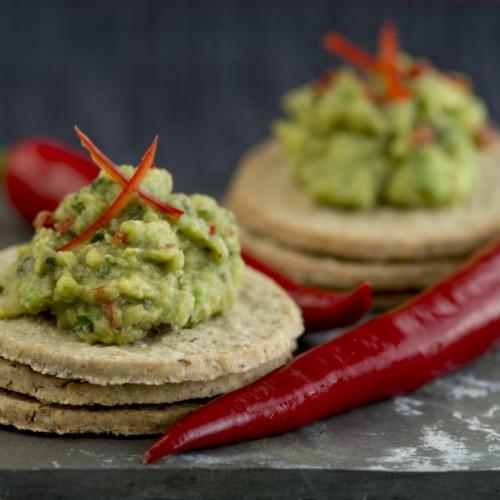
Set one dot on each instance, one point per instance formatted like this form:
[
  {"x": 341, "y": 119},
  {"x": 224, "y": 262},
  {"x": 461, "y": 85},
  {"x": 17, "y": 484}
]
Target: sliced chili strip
[
  {"x": 388, "y": 50},
  {"x": 102, "y": 161},
  {"x": 386, "y": 62},
  {"x": 321, "y": 309},
  {"x": 121, "y": 201},
  {"x": 388, "y": 43},
  {"x": 342, "y": 47}
]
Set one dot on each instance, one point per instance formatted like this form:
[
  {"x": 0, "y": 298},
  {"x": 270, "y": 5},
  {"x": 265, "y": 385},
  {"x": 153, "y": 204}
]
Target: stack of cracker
[
  {"x": 51, "y": 381},
  {"x": 400, "y": 251}
]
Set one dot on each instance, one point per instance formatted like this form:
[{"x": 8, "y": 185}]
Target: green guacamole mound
[
  {"x": 141, "y": 273},
  {"x": 351, "y": 149}
]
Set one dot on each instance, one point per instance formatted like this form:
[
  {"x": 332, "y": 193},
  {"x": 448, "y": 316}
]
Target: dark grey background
[{"x": 206, "y": 75}]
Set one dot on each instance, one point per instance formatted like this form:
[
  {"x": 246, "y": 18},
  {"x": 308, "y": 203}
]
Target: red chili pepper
[
  {"x": 386, "y": 63},
  {"x": 422, "y": 135},
  {"x": 121, "y": 201},
  {"x": 109, "y": 307},
  {"x": 444, "y": 328},
  {"x": 388, "y": 53},
  {"x": 121, "y": 238},
  {"x": 212, "y": 228},
  {"x": 40, "y": 172},
  {"x": 339, "y": 45},
  {"x": 321, "y": 309}
]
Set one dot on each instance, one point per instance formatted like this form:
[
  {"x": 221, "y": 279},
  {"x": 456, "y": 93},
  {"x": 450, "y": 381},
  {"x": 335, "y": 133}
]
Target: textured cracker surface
[
  {"x": 261, "y": 327},
  {"x": 331, "y": 272},
  {"x": 265, "y": 199},
  {"x": 48, "y": 389},
  {"x": 26, "y": 413}
]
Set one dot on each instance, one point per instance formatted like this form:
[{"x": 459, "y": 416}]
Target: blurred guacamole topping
[
  {"x": 141, "y": 273},
  {"x": 351, "y": 147}
]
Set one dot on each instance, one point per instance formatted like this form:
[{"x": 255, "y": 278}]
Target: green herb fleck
[
  {"x": 96, "y": 183},
  {"x": 83, "y": 324},
  {"x": 136, "y": 212},
  {"x": 50, "y": 261},
  {"x": 148, "y": 305},
  {"x": 78, "y": 207},
  {"x": 103, "y": 271},
  {"x": 98, "y": 236}
]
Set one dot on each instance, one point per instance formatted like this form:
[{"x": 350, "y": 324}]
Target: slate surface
[
  {"x": 441, "y": 440},
  {"x": 207, "y": 76}
]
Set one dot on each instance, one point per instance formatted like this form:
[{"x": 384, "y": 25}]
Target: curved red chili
[
  {"x": 447, "y": 326},
  {"x": 385, "y": 63},
  {"x": 321, "y": 309},
  {"x": 120, "y": 202},
  {"x": 40, "y": 172}
]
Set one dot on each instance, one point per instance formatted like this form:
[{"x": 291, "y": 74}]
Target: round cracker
[
  {"x": 331, "y": 272},
  {"x": 48, "y": 389},
  {"x": 266, "y": 199},
  {"x": 28, "y": 414},
  {"x": 262, "y": 326}
]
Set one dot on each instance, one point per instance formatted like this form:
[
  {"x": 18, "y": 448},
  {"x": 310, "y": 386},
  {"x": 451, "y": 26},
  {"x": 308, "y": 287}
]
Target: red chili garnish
[
  {"x": 111, "y": 312},
  {"x": 339, "y": 45},
  {"x": 418, "y": 69},
  {"x": 388, "y": 53},
  {"x": 386, "y": 63},
  {"x": 102, "y": 161},
  {"x": 321, "y": 309},
  {"x": 109, "y": 307},
  {"x": 121, "y": 201},
  {"x": 423, "y": 135},
  {"x": 323, "y": 83},
  {"x": 62, "y": 227},
  {"x": 44, "y": 218},
  {"x": 121, "y": 238},
  {"x": 212, "y": 229},
  {"x": 441, "y": 330}
]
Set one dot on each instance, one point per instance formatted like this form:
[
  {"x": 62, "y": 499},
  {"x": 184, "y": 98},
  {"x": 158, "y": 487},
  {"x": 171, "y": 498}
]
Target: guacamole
[
  {"x": 351, "y": 148},
  {"x": 142, "y": 273}
]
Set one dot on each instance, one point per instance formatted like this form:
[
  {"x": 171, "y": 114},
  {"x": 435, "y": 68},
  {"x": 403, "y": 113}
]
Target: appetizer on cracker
[
  {"x": 131, "y": 305},
  {"x": 385, "y": 171}
]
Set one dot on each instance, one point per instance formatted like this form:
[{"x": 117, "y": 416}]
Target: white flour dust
[
  {"x": 475, "y": 424},
  {"x": 436, "y": 450},
  {"x": 468, "y": 386},
  {"x": 407, "y": 406}
]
